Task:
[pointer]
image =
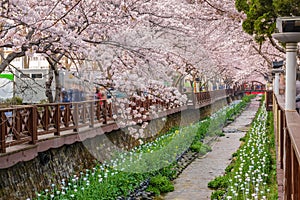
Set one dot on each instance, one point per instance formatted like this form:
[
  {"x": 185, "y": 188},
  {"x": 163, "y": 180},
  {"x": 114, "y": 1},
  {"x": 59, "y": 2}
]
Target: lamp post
[
  {"x": 276, "y": 84},
  {"x": 289, "y": 33},
  {"x": 277, "y": 69}
]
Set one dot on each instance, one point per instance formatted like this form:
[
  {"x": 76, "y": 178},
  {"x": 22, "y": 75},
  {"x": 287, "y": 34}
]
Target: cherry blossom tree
[{"x": 140, "y": 48}]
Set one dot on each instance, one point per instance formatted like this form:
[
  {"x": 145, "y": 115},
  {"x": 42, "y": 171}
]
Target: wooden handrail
[{"x": 287, "y": 132}]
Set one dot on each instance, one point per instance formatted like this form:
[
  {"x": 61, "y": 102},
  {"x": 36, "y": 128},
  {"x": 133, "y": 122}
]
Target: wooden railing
[
  {"x": 287, "y": 132},
  {"x": 18, "y": 128},
  {"x": 26, "y": 124},
  {"x": 207, "y": 97}
]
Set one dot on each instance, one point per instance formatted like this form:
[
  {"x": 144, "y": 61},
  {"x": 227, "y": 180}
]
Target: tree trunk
[
  {"x": 48, "y": 86},
  {"x": 53, "y": 70},
  {"x": 58, "y": 85}
]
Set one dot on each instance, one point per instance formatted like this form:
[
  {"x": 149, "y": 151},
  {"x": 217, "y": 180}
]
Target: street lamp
[
  {"x": 277, "y": 69},
  {"x": 288, "y": 31}
]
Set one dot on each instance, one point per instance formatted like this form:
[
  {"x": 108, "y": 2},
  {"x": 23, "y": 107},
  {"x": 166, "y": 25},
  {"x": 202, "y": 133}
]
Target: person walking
[
  {"x": 99, "y": 96},
  {"x": 64, "y": 99}
]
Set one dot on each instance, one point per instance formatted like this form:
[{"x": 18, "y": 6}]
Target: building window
[
  {"x": 34, "y": 76},
  {"x": 35, "y": 58}
]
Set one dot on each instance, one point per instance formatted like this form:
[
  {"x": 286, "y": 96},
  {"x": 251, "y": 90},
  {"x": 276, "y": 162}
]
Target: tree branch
[{"x": 279, "y": 48}]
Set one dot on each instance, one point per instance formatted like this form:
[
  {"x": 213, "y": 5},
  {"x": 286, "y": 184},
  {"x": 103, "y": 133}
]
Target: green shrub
[
  {"x": 230, "y": 167},
  {"x": 167, "y": 188},
  {"x": 169, "y": 171},
  {"x": 219, "y": 182},
  {"x": 235, "y": 154},
  {"x": 160, "y": 184},
  {"x": 217, "y": 195},
  {"x": 243, "y": 139},
  {"x": 153, "y": 189},
  {"x": 196, "y": 146}
]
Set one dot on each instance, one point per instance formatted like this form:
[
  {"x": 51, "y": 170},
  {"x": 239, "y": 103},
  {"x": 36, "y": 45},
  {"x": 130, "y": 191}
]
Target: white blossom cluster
[{"x": 251, "y": 175}]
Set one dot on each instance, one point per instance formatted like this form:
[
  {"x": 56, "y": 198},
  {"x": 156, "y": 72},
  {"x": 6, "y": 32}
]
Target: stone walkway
[{"x": 192, "y": 183}]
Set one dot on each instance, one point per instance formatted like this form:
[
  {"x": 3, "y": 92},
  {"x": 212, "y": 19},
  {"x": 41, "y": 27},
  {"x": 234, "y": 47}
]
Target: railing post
[
  {"x": 18, "y": 123},
  {"x": 282, "y": 135},
  {"x": 3, "y": 132},
  {"x": 46, "y": 116},
  {"x": 57, "y": 119},
  {"x": 98, "y": 110},
  {"x": 295, "y": 175},
  {"x": 105, "y": 111},
  {"x": 92, "y": 114},
  {"x": 287, "y": 166},
  {"x": 33, "y": 124},
  {"x": 110, "y": 112},
  {"x": 67, "y": 114},
  {"x": 83, "y": 112},
  {"x": 75, "y": 117}
]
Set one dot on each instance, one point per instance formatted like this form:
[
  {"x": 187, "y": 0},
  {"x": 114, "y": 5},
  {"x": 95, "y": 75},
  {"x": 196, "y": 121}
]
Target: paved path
[{"x": 192, "y": 183}]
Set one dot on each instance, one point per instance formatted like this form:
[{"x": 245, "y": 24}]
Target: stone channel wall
[{"x": 24, "y": 179}]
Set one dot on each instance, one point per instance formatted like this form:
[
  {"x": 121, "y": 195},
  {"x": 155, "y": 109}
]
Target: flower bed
[
  {"x": 253, "y": 178},
  {"x": 149, "y": 166}
]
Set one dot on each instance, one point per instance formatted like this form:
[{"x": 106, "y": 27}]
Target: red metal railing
[{"x": 287, "y": 132}]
